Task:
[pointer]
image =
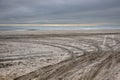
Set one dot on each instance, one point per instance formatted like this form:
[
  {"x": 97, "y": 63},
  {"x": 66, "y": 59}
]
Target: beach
[{"x": 60, "y": 54}]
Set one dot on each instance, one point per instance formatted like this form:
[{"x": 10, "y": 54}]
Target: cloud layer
[{"x": 60, "y": 11}]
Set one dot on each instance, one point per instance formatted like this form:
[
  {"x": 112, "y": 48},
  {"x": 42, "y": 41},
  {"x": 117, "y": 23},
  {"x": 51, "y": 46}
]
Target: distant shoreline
[
  {"x": 41, "y": 32},
  {"x": 52, "y": 28}
]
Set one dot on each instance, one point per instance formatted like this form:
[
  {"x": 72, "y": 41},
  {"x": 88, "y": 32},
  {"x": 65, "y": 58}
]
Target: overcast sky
[{"x": 60, "y": 11}]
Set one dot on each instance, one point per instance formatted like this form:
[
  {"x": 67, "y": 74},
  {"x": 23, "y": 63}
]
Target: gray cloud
[{"x": 59, "y": 11}]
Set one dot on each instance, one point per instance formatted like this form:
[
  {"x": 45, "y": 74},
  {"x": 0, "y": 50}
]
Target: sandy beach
[{"x": 60, "y": 55}]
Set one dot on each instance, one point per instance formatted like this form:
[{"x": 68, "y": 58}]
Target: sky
[{"x": 105, "y": 12}]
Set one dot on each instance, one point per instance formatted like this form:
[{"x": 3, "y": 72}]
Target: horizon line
[
  {"x": 62, "y": 24},
  {"x": 49, "y": 24}
]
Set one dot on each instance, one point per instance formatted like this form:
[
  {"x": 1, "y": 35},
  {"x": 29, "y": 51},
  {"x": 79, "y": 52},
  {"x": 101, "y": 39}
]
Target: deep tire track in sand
[
  {"x": 54, "y": 45},
  {"x": 61, "y": 64}
]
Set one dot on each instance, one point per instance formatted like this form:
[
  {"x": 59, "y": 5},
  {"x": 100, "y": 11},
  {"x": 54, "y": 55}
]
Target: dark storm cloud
[{"x": 59, "y": 11}]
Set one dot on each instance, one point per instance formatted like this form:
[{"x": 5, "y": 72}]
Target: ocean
[{"x": 6, "y": 28}]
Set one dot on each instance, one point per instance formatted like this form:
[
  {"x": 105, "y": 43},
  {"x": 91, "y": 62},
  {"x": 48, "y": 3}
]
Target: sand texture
[{"x": 60, "y": 55}]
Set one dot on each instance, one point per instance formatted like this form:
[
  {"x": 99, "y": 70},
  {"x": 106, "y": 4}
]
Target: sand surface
[{"x": 60, "y": 55}]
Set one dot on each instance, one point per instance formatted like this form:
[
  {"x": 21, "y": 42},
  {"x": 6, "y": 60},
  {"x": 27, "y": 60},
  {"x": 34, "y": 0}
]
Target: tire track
[
  {"x": 55, "y": 45},
  {"x": 88, "y": 66},
  {"x": 63, "y": 65}
]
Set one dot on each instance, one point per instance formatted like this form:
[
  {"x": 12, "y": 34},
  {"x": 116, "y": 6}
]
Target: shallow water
[{"x": 56, "y": 27}]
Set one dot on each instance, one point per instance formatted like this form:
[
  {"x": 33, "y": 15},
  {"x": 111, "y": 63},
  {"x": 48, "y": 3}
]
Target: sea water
[{"x": 56, "y": 27}]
